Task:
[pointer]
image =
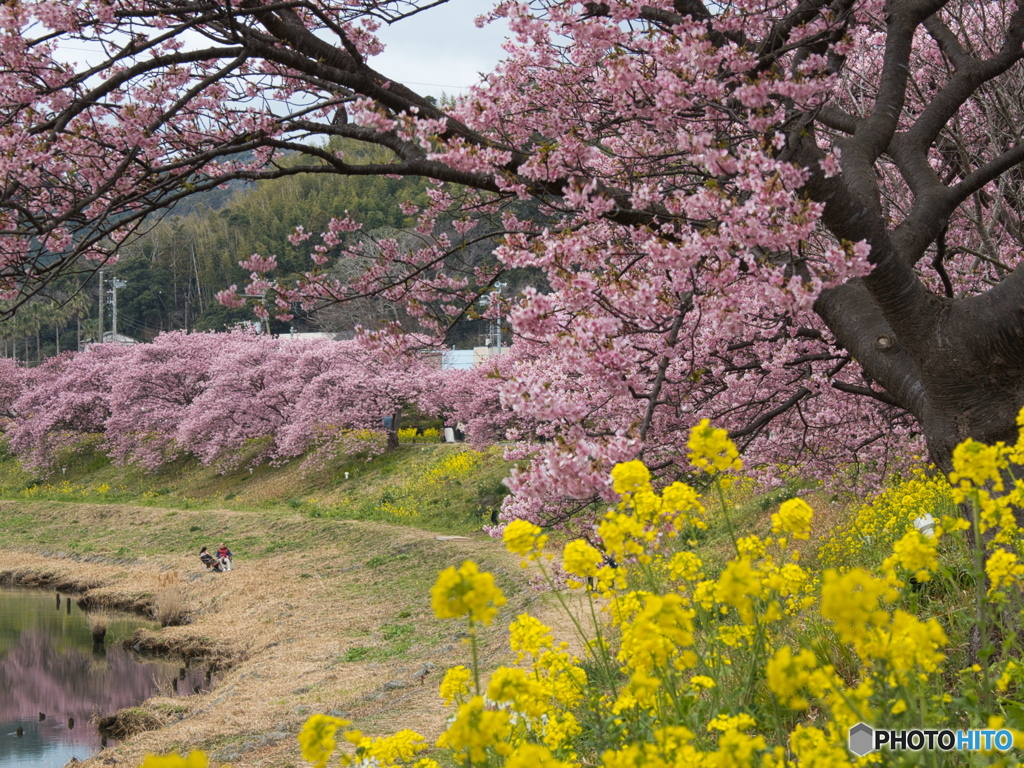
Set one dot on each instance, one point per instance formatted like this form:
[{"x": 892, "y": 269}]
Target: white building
[{"x": 467, "y": 358}]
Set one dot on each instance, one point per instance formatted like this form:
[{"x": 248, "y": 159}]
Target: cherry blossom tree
[
  {"x": 798, "y": 217},
  {"x": 254, "y": 384},
  {"x": 62, "y": 402},
  {"x": 12, "y": 379},
  {"x": 363, "y": 386},
  {"x": 152, "y": 391}
]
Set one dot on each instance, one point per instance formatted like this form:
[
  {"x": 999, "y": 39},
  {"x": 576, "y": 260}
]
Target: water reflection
[{"x": 53, "y": 680}]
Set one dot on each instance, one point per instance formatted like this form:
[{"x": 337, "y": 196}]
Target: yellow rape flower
[
  {"x": 580, "y": 559},
  {"x": 476, "y": 729},
  {"x": 316, "y": 739},
  {"x": 852, "y": 602},
  {"x": 1003, "y": 683},
  {"x": 527, "y": 635},
  {"x": 712, "y": 450},
  {"x": 679, "y": 498},
  {"x": 455, "y": 684},
  {"x": 514, "y": 686},
  {"x": 787, "y": 675},
  {"x": 701, "y": 682},
  {"x": 812, "y": 747},
  {"x": 737, "y": 749},
  {"x": 794, "y": 517},
  {"x": 914, "y": 552},
  {"x": 737, "y": 586},
  {"x": 559, "y": 729},
  {"x": 752, "y": 547},
  {"x": 466, "y": 592},
  {"x": 642, "y": 688},
  {"x": 533, "y": 756},
  {"x": 685, "y": 565},
  {"x": 976, "y": 464},
  {"x": 391, "y": 750},
  {"x": 524, "y": 538},
  {"x": 195, "y": 759},
  {"x": 630, "y": 477},
  {"x": 726, "y": 723},
  {"x": 660, "y": 631},
  {"x": 623, "y": 536},
  {"x": 1003, "y": 569}
]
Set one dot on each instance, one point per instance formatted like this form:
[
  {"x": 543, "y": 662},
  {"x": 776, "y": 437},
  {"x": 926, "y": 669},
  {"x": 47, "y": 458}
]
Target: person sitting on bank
[
  {"x": 211, "y": 562},
  {"x": 224, "y": 556}
]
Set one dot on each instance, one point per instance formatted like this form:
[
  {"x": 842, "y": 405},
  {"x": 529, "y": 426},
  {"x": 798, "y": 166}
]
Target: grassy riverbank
[
  {"x": 328, "y": 607},
  {"x": 436, "y": 487}
]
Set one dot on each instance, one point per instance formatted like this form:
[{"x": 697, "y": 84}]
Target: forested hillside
[{"x": 173, "y": 270}]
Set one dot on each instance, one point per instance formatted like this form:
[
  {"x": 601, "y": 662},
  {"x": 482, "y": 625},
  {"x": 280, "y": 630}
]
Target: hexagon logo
[{"x": 862, "y": 739}]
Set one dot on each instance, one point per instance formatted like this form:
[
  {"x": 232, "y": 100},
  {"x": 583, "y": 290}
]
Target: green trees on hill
[
  {"x": 192, "y": 256},
  {"x": 174, "y": 269}
]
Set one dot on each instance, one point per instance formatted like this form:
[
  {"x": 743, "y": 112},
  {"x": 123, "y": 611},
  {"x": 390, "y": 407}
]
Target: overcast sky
[
  {"x": 437, "y": 51},
  {"x": 441, "y": 49}
]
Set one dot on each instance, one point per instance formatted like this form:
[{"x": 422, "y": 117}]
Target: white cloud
[{"x": 441, "y": 49}]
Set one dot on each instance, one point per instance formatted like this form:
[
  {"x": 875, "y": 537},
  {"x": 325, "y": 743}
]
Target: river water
[{"x": 54, "y": 681}]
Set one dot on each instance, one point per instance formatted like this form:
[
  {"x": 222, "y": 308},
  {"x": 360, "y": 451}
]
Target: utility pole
[
  {"x": 493, "y": 300},
  {"x": 102, "y": 301},
  {"x": 264, "y": 324},
  {"x": 115, "y": 283}
]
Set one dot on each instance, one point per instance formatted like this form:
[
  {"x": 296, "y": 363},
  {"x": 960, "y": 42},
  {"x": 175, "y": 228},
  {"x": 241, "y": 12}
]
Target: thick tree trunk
[
  {"x": 963, "y": 378},
  {"x": 393, "y": 429},
  {"x": 956, "y": 364}
]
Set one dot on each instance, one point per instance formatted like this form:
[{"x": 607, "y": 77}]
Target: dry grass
[
  {"x": 128, "y": 722},
  {"x": 98, "y": 623},
  {"x": 170, "y": 606}
]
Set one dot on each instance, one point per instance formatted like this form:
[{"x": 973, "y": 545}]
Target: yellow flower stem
[
  {"x": 673, "y": 681},
  {"x": 984, "y": 651},
  {"x": 602, "y": 650},
  {"x": 781, "y": 730},
  {"x": 756, "y": 664},
  {"x": 476, "y": 660},
  {"x": 651, "y": 578},
  {"x": 725, "y": 511},
  {"x": 602, "y": 656}
]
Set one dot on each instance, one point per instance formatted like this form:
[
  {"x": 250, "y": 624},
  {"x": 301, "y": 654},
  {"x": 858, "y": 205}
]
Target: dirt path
[{"x": 330, "y": 616}]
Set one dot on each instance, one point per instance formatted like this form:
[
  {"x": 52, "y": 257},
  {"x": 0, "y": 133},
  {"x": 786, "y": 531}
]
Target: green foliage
[
  {"x": 355, "y": 653},
  {"x": 444, "y": 488}
]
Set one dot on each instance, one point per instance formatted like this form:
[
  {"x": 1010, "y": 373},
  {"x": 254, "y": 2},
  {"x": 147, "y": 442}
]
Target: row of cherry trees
[
  {"x": 212, "y": 395},
  {"x": 238, "y": 397}
]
